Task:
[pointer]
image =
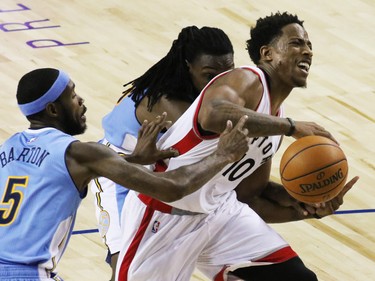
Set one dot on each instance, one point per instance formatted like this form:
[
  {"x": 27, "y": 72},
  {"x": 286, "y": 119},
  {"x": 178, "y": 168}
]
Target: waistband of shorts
[
  {"x": 26, "y": 271},
  {"x": 164, "y": 208}
]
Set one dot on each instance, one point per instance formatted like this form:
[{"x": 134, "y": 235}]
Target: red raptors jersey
[{"x": 192, "y": 146}]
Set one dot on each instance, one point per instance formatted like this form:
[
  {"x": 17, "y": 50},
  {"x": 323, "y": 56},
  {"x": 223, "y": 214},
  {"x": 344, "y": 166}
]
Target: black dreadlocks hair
[
  {"x": 170, "y": 76},
  {"x": 266, "y": 30}
]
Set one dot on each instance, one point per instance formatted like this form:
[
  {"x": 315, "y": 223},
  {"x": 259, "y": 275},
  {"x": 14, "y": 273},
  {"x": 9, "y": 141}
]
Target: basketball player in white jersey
[
  {"x": 211, "y": 229},
  {"x": 44, "y": 172}
]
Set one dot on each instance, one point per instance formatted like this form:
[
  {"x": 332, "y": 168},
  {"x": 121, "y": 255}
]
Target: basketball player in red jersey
[{"x": 212, "y": 228}]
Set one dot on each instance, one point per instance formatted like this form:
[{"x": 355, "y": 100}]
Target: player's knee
[
  {"x": 301, "y": 272},
  {"x": 304, "y": 274},
  {"x": 291, "y": 270}
]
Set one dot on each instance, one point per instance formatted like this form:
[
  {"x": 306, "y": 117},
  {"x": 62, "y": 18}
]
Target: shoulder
[
  {"x": 240, "y": 78},
  {"x": 244, "y": 83}
]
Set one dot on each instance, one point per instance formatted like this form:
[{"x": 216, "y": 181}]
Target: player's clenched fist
[{"x": 234, "y": 142}]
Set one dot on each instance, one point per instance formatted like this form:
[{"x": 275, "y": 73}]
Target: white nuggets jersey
[
  {"x": 38, "y": 199},
  {"x": 184, "y": 136},
  {"x": 121, "y": 128}
]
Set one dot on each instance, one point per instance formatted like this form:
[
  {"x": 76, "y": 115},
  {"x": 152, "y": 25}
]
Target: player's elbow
[{"x": 208, "y": 117}]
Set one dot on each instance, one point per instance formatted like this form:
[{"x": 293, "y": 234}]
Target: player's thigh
[
  {"x": 163, "y": 238},
  {"x": 238, "y": 235}
]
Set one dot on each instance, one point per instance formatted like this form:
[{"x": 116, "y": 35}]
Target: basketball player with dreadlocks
[{"x": 171, "y": 85}]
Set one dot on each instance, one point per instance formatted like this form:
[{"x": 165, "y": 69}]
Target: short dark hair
[
  {"x": 35, "y": 84},
  {"x": 266, "y": 30},
  {"x": 170, "y": 76}
]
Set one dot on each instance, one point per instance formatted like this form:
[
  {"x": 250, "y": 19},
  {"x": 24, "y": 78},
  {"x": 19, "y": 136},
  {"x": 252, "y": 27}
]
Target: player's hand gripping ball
[{"x": 313, "y": 169}]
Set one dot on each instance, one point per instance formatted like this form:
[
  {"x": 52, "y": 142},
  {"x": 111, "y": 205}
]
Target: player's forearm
[
  {"x": 175, "y": 184},
  {"x": 258, "y": 124},
  {"x": 188, "y": 179},
  {"x": 284, "y": 207},
  {"x": 272, "y": 203},
  {"x": 272, "y": 212},
  {"x": 137, "y": 159},
  {"x": 276, "y": 192}
]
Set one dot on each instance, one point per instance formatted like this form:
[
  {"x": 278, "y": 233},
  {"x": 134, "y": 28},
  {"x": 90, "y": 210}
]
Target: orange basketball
[{"x": 313, "y": 169}]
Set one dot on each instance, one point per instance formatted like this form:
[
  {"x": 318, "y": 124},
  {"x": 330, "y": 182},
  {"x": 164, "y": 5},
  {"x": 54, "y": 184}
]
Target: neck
[
  {"x": 277, "y": 89},
  {"x": 38, "y": 124}
]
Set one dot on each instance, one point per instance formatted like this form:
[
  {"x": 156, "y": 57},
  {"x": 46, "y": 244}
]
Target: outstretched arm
[
  {"x": 90, "y": 160},
  {"x": 238, "y": 93},
  {"x": 290, "y": 209},
  {"x": 271, "y": 201}
]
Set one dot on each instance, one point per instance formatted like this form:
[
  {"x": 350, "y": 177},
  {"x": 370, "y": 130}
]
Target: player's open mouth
[
  {"x": 304, "y": 66},
  {"x": 83, "y": 117}
]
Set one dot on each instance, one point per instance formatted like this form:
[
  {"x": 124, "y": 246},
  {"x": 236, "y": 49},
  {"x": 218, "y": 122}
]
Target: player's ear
[
  {"x": 51, "y": 109},
  {"x": 266, "y": 53}
]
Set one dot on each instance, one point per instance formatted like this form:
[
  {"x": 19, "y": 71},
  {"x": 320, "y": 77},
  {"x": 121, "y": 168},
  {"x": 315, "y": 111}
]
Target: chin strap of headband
[{"x": 50, "y": 96}]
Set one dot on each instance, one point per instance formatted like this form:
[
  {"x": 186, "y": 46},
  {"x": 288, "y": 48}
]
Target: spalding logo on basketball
[{"x": 313, "y": 169}]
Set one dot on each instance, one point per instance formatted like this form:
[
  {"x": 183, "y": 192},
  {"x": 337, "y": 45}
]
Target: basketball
[{"x": 313, "y": 169}]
